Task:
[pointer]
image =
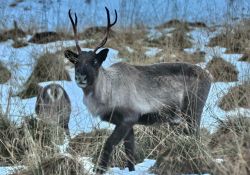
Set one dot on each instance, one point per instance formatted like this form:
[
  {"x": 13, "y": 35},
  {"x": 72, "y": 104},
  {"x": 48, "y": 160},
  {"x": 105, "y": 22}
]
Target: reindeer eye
[{"x": 95, "y": 62}]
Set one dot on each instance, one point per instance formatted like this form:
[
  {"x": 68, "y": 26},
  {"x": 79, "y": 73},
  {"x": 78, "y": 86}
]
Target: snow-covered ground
[{"x": 21, "y": 61}]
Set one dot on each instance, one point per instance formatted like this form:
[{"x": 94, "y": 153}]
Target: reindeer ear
[
  {"x": 72, "y": 56},
  {"x": 102, "y": 55}
]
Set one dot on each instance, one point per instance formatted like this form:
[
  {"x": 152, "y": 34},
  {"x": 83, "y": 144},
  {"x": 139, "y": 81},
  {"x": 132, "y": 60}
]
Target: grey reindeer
[
  {"x": 53, "y": 106},
  {"x": 125, "y": 94}
]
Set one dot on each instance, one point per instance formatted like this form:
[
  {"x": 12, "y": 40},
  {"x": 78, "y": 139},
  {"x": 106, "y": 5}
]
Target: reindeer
[
  {"x": 53, "y": 105},
  {"x": 125, "y": 94}
]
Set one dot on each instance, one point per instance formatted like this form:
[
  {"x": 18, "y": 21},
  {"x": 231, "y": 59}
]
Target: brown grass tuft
[
  {"x": 44, "y": 70},
  {"x": 185, "y": 25},
  {"x": 46, "y": 37},
  {"x": 18, "y": 43},
  {"x": 56, "y": 165},
  {"x": 222, "y": 70},
  {"x": 238, "y": 96},
  {"x": 4, "y": 74},
  {"x": 231, "y": 141},
  {"x": 14, "y": 33},
  {"x": 235, "y": 39},
  {"x": 184, "y": 155}
]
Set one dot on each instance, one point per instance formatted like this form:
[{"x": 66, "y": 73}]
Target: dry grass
[
  {"x": 246, "y": 56},
  {"x": 46, "y": 37},
  {"x": 56, "y": 165},
  {"x": 12, "y": 148},
  {"x": 91, "y": 145},
  {"x": 44, "y": 70},
  {"x": 4, "y": 74},
  {"x": 222, "y": 70},
  {"x": 231, "y": 142},
  {"x": 149, "y": 143},
  {"x": 238, "y": 96},
  {"x": 18, "y": 141},
  {"x": 184, "y": 155},
  {"x": 18, "y": 43},
  {"x": 14, "y": 33},
  {"x": 132, "y": 45},
  {"x": 185, "y": 25},
  {"x": 235, "y": 39},
  {"x": 180, "y": 56}
]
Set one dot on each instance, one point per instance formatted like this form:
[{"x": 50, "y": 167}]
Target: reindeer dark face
[{"x": 87, "y": 65}]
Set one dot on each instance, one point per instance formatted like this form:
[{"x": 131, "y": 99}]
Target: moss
[
  {"x": 222, "y": 70},
  {"x": 49, "y": 67},
  {"x": 4, "y": 74},
  {"x": 238, "y": 96}
]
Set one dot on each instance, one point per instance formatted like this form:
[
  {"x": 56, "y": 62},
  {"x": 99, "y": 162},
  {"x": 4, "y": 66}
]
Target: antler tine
[
  {"x": 109, "y": 25},
  {"x": 74, "y": 25}
]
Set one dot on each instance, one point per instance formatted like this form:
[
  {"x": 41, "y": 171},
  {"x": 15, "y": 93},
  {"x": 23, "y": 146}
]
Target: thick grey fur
[{"x": 126, "y": 94}]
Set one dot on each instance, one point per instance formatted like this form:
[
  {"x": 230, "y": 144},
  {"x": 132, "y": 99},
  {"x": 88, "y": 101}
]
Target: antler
[
  {"x": 109, "y": 25},
  {"x": 74, "y": 25}
]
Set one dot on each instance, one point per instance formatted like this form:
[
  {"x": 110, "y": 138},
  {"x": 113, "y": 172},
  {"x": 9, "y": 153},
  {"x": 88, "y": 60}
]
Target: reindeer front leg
[
  {"x": 119, "y": 133},
  {"x": 129, "y": 143}
]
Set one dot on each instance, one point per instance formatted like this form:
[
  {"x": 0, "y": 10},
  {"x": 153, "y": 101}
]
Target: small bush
[
  {"x": 4, "y": 74},
  {"x": 222, "y": 70},
  {"x": 238, "y": 96}
]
